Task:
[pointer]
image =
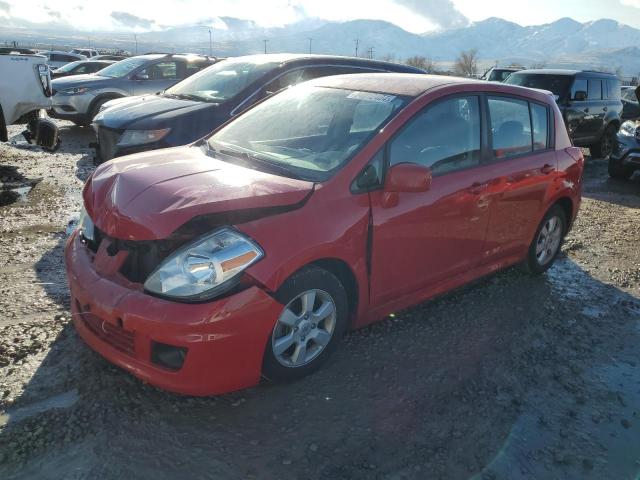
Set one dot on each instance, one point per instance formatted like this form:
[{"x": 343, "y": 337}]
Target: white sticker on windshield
[{"x": 372, "y": 97}]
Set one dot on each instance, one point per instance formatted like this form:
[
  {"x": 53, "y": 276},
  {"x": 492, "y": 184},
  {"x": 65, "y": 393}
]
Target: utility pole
[
  {"x": 370, "y": 53},
  {"x": 210, "y": 44},
  {"x": 135, "y": 37},
  {"x": 310, "y": 42},
  {"x": 265, "y": 45},
  {"x": 357, "y": 40}
]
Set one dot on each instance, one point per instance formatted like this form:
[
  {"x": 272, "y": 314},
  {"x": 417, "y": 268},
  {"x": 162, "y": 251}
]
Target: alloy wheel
[
  {"x": 304, "y": 328},
  {"x": 549, "y": 240}
]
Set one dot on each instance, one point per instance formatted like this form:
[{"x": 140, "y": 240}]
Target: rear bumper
[{"x": 225, "y": 339}]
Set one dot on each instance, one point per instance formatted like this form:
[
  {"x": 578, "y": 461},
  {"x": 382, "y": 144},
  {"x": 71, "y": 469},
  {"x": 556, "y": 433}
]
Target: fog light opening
[{"x": 168, "y": 356}]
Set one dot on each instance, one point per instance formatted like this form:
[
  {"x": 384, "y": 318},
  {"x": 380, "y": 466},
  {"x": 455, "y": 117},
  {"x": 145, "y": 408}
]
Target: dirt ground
[{"x": 512, "y": 377}]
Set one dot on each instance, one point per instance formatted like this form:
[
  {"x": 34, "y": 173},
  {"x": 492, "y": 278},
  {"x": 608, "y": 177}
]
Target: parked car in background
[
  {"x": 497, "y": 74},
  {"x": 630, "y": 106},
  {"x": 25, "y": 90},
  {"x": 589, "y": 101},
  {"x": 326, "y": 207},
  {"x": 107, "y": 56},
  {"x": 194, "y": 107},
  {"x": 625, "y": 159},
  {"x": 79, "y": 98},
  {"x": 57, "y": 59},
  {"x": 81, "y": 67},
  {"x": 87, "y": 52},
  {"x": 14, "y": 50}
]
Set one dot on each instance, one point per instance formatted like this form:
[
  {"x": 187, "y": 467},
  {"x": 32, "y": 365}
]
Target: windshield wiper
[{"x": 250, "y": 159}]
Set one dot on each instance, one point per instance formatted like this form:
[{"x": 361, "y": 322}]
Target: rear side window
[
  {"x": 579, "y": 85},
  {"x": 540, "y": 123},
  {"x": 445, "y": 137},
  {"x": 595, "y": 90},
  {"x": 510, "y": 127}
]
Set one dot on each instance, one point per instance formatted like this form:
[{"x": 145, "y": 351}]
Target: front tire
[
  {"x": 310, "y": 326},
  {"x": 604, "y": 147},
  {"x": 547, "y": 241}
]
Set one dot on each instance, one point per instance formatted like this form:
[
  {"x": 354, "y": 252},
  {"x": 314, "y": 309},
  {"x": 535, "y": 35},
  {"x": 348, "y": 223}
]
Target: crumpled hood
[
  {"x": 149, "y": 195},
  {"x": 122, "y": 113}
]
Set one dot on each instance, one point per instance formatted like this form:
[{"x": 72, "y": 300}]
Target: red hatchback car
[{"x": 323, "y": 208}]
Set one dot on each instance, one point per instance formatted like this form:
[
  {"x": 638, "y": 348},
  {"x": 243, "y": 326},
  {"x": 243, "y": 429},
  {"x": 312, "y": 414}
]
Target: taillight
[{"x": 45, "y": 79}]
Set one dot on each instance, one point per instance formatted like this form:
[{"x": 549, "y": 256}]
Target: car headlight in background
[
  {"x": 74, "y": 91},
  {"x": 142, "y": 137},
  {"x": 628, "y": 129},
  {"x": 204, "y": 268}
]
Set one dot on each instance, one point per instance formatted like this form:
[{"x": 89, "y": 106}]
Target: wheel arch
[
  {"x": 4, "y": 134},
  {"x": 101, "y": 97},
  {"x": 567, "y": 206}
]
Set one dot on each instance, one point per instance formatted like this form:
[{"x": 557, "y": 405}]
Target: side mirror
[
  {"x": 408, "y": 177},
  {"x": 141, "y": 76},
  {"x": 580, "y": 96}
]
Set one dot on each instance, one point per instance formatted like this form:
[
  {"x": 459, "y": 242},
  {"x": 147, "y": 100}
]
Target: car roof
[
  {"x": 62, "y": 52},
  {"x": 565, "y": 72},
  {"x": 315, "y": 59},
  {"x": 402, "y": 84}
]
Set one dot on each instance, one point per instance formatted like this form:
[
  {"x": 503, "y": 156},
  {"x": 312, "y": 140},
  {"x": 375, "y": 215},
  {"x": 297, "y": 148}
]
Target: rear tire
[
  {"x": 619, "y": 171},
  {"x": 95, "y": 108},
  {"x": 604, "y": 147},
  {"x": 311, "y": 324},
  {"x": 547, "y": 242}
]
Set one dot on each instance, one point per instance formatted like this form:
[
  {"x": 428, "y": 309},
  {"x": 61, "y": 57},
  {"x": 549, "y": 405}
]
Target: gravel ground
[{"x": 511, "y": 377}]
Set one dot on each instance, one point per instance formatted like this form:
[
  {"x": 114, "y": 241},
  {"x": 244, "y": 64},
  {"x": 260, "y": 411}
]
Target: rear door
[
  {"x": 522, "y": 165},
  {"x": 422, "y": 238}
]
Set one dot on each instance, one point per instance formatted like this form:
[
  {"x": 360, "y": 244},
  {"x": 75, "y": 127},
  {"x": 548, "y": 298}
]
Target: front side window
[
  {"x": 510, "y": 127},
  {"x": 160, "y": 71},
  {"x": 579, "y": 85},
  {"x": 305, "y": 131},
  {"x": 595, "y": 90},
  {"x": 445, "y": 137}
]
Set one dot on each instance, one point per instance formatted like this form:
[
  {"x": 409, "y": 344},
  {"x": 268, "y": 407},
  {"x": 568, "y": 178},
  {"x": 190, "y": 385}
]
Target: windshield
[
  {"x": 123, "y": 68},
  {"x": 499, "y": 75},
  {"x": 306, "y": 131},
  {"x": 629, "y": 94},
  {"x": 68, "y": 67},
  {"x": 221, "y": 81},
  {"x": 557, "y": 84}
]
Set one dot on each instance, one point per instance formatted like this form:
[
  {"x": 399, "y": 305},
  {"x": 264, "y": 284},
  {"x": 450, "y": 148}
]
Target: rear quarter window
[{"x": 579, "y": 85}]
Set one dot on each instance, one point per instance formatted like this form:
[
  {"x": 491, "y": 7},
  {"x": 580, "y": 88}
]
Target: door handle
[
  {"x": 547, "y": 169},
  {"x": 477, "y": 187}
]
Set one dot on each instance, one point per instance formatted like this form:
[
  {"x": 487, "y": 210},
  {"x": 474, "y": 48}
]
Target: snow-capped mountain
[{"x": 597, "y": 44}]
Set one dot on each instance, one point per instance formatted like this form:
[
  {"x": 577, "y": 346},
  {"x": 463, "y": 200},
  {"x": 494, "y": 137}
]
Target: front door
[{"x": 422, "y": 238}]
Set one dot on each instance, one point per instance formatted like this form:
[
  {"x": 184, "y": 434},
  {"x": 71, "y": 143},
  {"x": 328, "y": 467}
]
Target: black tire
[
  {"x": 619, "y": 171},
  {"x": 95, "y": 108},
  {"x": 532, "y": 264},
  {"x": 308, "y": 279},
  {"x": 604, "y": 147}
]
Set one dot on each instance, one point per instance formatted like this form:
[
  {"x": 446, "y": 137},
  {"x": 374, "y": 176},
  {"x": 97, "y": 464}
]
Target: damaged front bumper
[{"x": 195, "y": 349}]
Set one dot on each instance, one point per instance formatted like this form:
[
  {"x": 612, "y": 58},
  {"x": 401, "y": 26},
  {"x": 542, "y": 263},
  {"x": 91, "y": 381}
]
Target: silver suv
[{"x": 80, "y": 97}]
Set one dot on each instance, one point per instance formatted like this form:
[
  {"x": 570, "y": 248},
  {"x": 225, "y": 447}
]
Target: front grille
[
  {"x": 107, "y": 140},
  {"x": 117, "y": 337}
]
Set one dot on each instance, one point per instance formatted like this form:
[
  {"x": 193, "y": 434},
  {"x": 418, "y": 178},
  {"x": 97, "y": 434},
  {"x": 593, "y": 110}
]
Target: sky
[{"x": 414, "y": 15}]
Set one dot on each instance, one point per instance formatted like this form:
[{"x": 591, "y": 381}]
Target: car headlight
[
  {"x": 75, "y": 91},
  {"x": 142, "y": 137},
  {"x": 628, "y": 129},
  {"x": 84, "y": 225},
  {"x": 205, "y": 268}
]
